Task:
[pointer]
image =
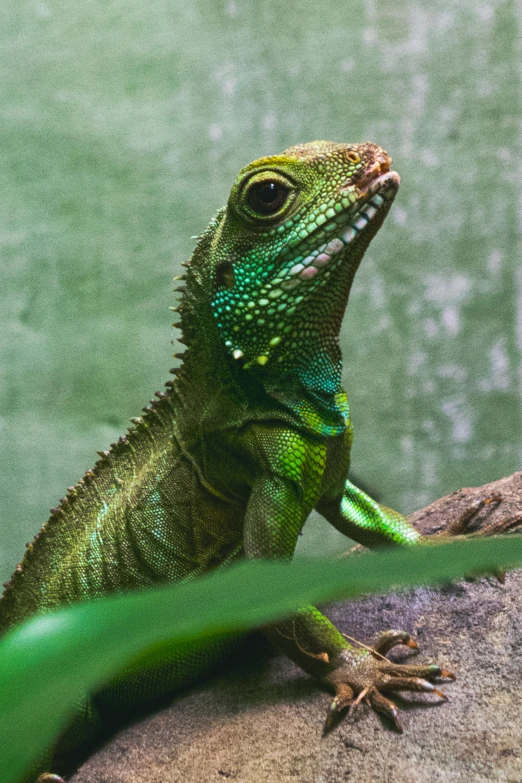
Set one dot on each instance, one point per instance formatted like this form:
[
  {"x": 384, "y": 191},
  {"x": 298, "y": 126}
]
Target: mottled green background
[{"x": 122, "y": 126}]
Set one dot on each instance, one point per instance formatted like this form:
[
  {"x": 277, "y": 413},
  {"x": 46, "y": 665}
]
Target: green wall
[{"x": 122, "y": 126}]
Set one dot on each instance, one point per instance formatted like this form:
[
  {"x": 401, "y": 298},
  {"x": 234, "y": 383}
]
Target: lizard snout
[{"x": 379, "y": 162}]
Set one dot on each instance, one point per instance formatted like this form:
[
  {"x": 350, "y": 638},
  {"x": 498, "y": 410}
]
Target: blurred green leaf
[{"x": 50, "y": 661}]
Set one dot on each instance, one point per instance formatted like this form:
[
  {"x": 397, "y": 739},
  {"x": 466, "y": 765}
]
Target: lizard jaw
[{"x": 374, "y": 200}]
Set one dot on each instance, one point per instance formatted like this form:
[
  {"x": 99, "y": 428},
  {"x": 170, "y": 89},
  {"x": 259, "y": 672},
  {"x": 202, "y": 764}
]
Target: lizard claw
[
  {"x": 344, "y": 698},
  {"x": 362, "y": 675},
  {"x": 385, "y": 707}
]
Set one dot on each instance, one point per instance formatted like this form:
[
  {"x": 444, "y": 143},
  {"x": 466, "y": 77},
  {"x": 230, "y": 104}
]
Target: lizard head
[
  {"x": 269, "y": 279},
  {"x": 288, "y": 244}
]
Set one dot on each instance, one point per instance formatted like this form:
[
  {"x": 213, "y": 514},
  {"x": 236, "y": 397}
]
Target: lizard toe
[
  {"x": 386, "y": 707},
  {"x": 389, "y": 639}
]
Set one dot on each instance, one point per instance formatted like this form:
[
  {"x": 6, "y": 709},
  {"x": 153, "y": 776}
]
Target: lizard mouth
[{"x": 323, "y": 250}]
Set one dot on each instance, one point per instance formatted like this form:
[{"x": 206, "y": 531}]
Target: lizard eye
[{"x": 267, "y": 197}]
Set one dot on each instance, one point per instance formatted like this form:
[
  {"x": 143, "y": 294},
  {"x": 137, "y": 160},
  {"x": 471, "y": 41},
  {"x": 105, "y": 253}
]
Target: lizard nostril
[
  {"x": 384, "y": 161},
  {"x": 378, "y": 162}
]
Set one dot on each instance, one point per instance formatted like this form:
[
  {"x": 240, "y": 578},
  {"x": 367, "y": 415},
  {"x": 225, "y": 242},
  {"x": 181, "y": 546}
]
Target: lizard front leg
[
  {"x": 361, "y": 518},
  {"x": 274, "y": 518},
  {"x": 356, "y": 515}
]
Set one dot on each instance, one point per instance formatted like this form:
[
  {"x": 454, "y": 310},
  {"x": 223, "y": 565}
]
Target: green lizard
[{"x": 253, "y": 433}]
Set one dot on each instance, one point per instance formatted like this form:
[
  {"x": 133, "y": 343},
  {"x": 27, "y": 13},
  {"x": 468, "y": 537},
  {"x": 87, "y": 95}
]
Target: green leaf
[{"x": 49, "y": 662}]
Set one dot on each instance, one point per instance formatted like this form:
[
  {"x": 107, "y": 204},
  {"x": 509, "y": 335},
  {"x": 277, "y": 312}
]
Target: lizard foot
[
  {"x": 467, "y": 525},
  {"x": 361, "y": 675}
]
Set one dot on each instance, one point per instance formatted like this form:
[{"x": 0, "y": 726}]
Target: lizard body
[{"x": 253, "y": 433}]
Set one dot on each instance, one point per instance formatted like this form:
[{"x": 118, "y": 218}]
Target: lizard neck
[
  {"x": 213, "y": 391},
  {"x": 299, "y": 381},
  {"x": 308, "y": 383}
]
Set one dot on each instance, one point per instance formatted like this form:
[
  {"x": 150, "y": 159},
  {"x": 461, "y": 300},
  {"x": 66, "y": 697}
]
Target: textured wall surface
[{"x": 122, "y": 126}]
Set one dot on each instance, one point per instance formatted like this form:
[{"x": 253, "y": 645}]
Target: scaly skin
[{"x": 251, "y": 436}]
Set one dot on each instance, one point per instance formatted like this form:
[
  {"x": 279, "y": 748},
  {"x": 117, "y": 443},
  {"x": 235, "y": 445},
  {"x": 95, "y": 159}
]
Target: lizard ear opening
[{"x": 225, "y": 275}]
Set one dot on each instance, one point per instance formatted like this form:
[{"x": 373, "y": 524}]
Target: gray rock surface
[{"x": 261, "y": 720}]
